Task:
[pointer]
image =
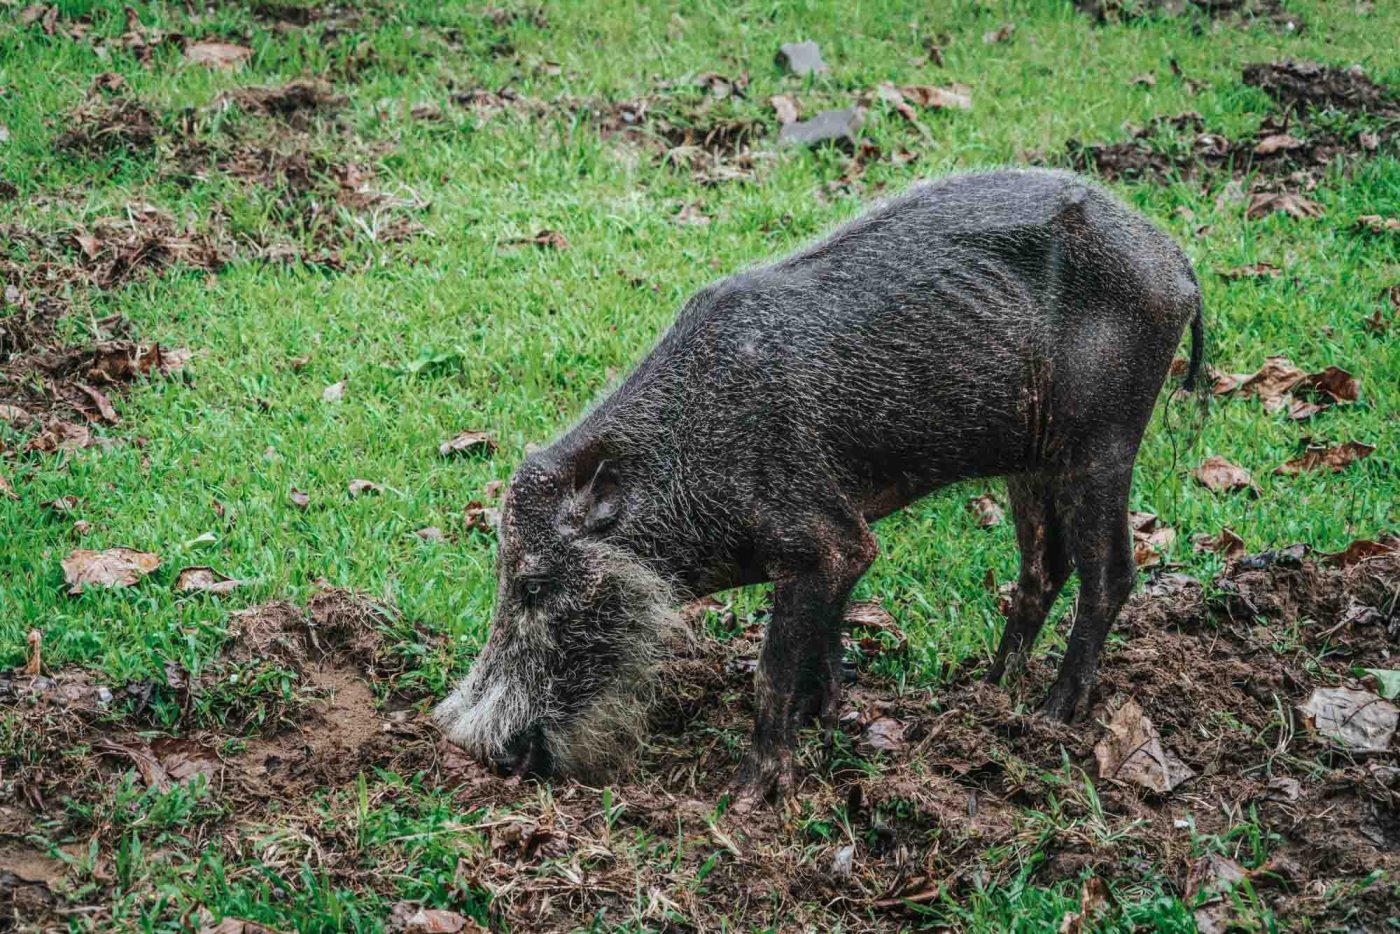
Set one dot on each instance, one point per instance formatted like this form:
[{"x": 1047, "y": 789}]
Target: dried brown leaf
[
  {"x": 785, "y": 107},
  {"x": 987, "y": 510},
  {"x": 1264, "y": 203},
  {"x": 115, "y": 567},
  {"x": 205, "y": 579},
  {"x": 1319, "y": 457},
  {"x": 358, "y": 488},
  {"x": 1227, "y": 544},
  {"x": 1220, "y": 476},
  {"x": 469, "y": 443},
  {"x": 222, "y": 55},
  {"x": 1359, "y": 720},
  {"x": 1132, "y": 751}
]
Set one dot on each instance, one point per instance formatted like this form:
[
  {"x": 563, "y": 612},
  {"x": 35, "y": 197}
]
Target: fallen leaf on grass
[
  {"x": 1220, "y": 476},
  {"x": 691, "y": 214},
  {"x": 1132, "y": 751},
  {"x": 1377, "y": 224},
  {"x": 7, "y": 489},
  {"x": 1359, "y": 720},
  {"x": 1227, "y": 544},
  {"x": 205, "y": 579},
  {"x": 1333, "y": 385},
  {"x": 1272, "y": 382},
  {"x": 431, "y": 533},
  {"x": 1264, "y": 203},
  {"x": 123, "y": 361},
  {"x": 299, "y": 499},
  {"x": 1095, "y": 902},
  {"x": 224, "y": 55},
  {"x": 1151, "y": 537},
  {"x": 955, "y": 97},
  {"x": 1000, "y": 34},
  {"x": 334, "y": 392},
  {"x": 98, "y": 401},
  {"x": 1363, "y": 549},
  {"x": 886, "y": 637},
  {"x": 1145, "y": 80},
  {"x": 472, "y": 443},
  {"x": 14, "y": 415},
  {"x": 35, "y": 663},
  {"x": 60, "y": 435},
  {"x": 482, "y": 518},
  {"x": 785, "y": 108},
  {"x": 890, "y": 94},
  {"x": 1335, "y": 459},
  {"x": 987, "y": 510},
  {"x": 1277, "y": 142},
  {"x": 409, "y": 918},
  {"x": 548, "y": 239},
  {"x": 364, "y": 487},
  {"x": 1252, "y": 271},
  {"x": 115, "y": 567}
]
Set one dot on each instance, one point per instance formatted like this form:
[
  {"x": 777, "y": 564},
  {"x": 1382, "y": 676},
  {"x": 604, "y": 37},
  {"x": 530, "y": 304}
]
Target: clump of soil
[
  {"x": 294, "y": 102},
  {"x": 100, "y": 128},
  {"x": 1307, "y": 84},
  {"x": 1242, "y": 12}
]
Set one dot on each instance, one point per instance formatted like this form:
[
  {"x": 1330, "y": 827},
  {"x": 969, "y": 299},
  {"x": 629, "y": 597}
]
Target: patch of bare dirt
[
  {"x": 1235, "y": 12},
  {"x": 949, "y": 790},
  {"x": 1290, "y": 150},
  {"x": 921, "y": 795},
  {"x": 101, "y": 127}
]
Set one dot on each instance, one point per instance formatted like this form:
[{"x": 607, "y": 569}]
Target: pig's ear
[{"x": 602, "y": 498}]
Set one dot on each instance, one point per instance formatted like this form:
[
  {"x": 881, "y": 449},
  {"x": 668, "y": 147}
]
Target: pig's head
[{"x": 580, "y": 626}]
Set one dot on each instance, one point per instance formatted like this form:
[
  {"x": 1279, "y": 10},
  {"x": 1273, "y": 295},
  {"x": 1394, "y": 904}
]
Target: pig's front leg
[{"x": 799, "y": 670}]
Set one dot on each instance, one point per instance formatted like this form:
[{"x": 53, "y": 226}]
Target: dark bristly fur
[{"x": 1009, "y": 323}]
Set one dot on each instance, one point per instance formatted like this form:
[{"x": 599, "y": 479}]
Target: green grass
[{"x": 453, "y": 331}]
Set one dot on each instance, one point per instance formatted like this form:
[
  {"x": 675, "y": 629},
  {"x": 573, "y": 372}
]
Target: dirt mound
[
  {"x": 293, "y": 102},
  {"x": 100, "y": 128},
  {"x": 1294, "y": 84},
  {"x": 1241, "y": 12},
  {"x": 1288, "y": 151}
]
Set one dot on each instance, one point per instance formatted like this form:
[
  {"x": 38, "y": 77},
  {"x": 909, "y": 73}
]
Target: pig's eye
[{"x": 531, "y": 590}]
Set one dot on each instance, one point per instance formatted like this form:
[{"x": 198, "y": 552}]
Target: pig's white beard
[{"x": 495, "y": 702}]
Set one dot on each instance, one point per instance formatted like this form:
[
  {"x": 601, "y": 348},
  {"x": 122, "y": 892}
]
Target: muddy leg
[
  {"x": 799, "y": 669},
  {"x": 1103, "y": 554},
  {"x": 1045, "y": 565}
]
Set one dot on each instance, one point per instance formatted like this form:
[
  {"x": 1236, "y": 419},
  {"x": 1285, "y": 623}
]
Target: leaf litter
[{"x": 1194, "y": 685}]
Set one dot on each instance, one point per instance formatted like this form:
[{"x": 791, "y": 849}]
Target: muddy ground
[{"x": 941, "y": 791}]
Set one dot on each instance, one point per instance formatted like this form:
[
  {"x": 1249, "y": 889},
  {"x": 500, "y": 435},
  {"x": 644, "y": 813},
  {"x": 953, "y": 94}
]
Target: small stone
[
  {"x": 802, "y": 58},
  {"x": 837, "y": 127}
]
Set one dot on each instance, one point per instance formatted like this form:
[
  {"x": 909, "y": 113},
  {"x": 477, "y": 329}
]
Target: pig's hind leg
[
  {"x": 1045, "y": 565},
  {"x": 1095, "y": 504},
  {"x": 799, "y": 669}
]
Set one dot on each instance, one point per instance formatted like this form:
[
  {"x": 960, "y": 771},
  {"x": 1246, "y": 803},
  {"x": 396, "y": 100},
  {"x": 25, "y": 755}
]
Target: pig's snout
[{"x": 525, "y": 753}]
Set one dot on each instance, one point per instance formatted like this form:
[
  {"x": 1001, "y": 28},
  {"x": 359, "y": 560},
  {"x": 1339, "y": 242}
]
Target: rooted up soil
[{"x": 942, "y": 792}]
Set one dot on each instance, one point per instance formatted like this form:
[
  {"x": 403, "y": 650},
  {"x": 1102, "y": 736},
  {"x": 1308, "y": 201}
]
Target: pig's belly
[{"x": 883, "y": 481}]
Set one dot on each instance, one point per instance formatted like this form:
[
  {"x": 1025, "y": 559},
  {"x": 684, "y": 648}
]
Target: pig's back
[{"x": 917, "y": 345}]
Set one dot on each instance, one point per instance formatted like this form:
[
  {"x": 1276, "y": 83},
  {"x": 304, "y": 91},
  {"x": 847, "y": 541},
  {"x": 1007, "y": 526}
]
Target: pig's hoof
[
  {"x": 763, "y": 780},
  {"x": 1060, "y": 704}
]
